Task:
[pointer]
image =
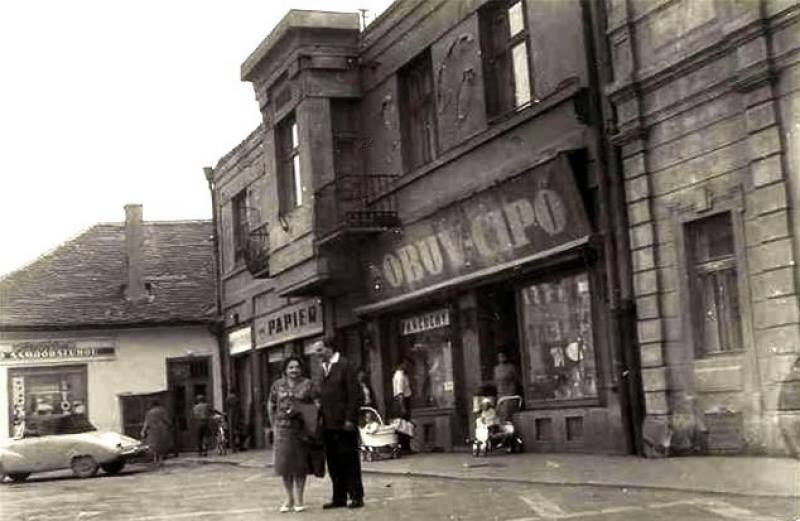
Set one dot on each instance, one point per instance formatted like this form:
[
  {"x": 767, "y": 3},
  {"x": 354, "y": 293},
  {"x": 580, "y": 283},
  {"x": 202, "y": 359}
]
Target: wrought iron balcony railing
[
  {"x": 354, "y": 204},
  {"x": 256, "y": 250}
]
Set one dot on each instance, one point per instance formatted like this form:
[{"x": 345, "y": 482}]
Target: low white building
[{"x": 120, "y": 315}]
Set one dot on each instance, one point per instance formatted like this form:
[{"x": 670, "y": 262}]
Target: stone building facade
[
  {"x": 707, "y": 106},
  {"x": 437, "y": 188}
]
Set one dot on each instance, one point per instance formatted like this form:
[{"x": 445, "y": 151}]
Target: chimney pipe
[{"x": 134, "y": 254}]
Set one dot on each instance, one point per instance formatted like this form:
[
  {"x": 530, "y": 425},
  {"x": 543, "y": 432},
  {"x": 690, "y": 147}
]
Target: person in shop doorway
[
  {"x": 340, "y": 399},
  {"x": 289, "y": 396},
  {"x": 506, "y": 380},
  {"x": 367, "y": 396},
  {"x": 157, "y": 432},
  {"x": 201, "y": 415},
  {"x": 401, "y": 400}
]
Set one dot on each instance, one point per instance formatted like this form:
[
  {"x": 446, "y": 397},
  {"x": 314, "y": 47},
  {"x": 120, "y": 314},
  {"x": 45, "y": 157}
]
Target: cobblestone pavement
[{"x": 206, "y": 492}]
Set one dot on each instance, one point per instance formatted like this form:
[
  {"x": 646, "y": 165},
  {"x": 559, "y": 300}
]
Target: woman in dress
[
  {"x": 291, "y": 456},
  {"x": 157, "y": 431},
  {"x": 506, "y": 380}
]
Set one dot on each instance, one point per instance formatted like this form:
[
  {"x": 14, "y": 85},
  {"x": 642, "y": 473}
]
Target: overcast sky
[{"x": 104, "y": 103}]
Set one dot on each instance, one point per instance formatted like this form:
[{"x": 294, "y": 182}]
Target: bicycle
[{"x": 221, "y": 434}]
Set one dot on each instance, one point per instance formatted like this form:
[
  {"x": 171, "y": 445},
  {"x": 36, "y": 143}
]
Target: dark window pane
[
  {"x": 418, "y": 112},
  {"x": 715, "y": 294}
]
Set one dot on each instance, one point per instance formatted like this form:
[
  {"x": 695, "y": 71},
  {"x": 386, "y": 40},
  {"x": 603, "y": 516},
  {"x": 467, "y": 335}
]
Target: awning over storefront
[{"x": 529, "y": 217}]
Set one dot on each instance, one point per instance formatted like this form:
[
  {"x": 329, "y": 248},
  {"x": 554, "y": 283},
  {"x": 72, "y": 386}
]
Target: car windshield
[{"x": 57, "y": 424}]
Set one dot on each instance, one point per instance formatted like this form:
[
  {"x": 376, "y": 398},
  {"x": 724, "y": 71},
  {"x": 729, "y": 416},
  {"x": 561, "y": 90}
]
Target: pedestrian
[
  {"x": 340, "y": 399},
  {"x": 401, "y": 393},
  {"x": 506, "y": 380},
  {"x": 201, "y": 415},
  {"x": 234, "y": 413},
  {"x": 367, "y": 394},
  {"x": 157, "y": 431},
  {"x": 291, "y": 451}
]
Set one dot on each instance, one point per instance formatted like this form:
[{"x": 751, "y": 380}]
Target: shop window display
[
  {"x": 431, "y": 371},
  {"x": 47, "y": 391},
  {"x": 557, "y": 326}
]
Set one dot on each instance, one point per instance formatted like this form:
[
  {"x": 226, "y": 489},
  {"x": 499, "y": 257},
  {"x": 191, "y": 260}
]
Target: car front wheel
[
  {"x": 113, "y": 467},
  {"x": 84, "y": 466},
  {"x": 19, "y": 477}
]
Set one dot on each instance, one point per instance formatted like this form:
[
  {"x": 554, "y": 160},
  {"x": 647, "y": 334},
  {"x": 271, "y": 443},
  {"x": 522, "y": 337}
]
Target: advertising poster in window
[{"x": 557, "y": 325}]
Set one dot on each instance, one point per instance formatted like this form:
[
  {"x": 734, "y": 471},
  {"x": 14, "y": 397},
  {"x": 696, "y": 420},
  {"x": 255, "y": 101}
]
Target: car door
[{"x": 27, "y": 453}]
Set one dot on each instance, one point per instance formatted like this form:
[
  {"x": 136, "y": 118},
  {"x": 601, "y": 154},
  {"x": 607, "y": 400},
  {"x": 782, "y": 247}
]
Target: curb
[{"x": 525, "y": 481}]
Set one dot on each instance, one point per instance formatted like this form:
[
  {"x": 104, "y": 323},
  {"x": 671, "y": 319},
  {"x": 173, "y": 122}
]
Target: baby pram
[
  {"x": 378, "y": 440},
  {"x": 500, "y": 436}
]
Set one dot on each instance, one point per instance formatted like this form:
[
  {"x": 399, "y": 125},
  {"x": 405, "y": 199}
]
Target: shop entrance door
[{"x": 186, "y": 379}]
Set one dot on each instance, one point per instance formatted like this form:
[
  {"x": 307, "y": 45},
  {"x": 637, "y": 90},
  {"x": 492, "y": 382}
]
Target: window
[
  {"x": 504, "y": 46},
  {"x": 425, "y": 343},
  {"x": 240, "y": 229},
  {"x": 713, "y": 285},
  {"x": 344, "y": 123},
  {"x": 418, "y": 112},
  {"x": 46, "y": 391},
  {"x": 290, "y": 185},
  {"x": 559, "y": 346}
]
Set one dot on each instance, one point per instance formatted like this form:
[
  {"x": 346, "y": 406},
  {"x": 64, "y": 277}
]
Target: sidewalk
[{"x": 723, "y": 475}]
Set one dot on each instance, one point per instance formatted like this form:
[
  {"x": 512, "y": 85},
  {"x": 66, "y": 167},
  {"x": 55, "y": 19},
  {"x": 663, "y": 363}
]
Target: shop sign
[
  {"x": 425, "y": 322},
  {"x": 296, "y": 321},
  {"x": 53, "y": 350},
  {"x": 240, "y": 340},
  {"x": 530, "y": 214}
]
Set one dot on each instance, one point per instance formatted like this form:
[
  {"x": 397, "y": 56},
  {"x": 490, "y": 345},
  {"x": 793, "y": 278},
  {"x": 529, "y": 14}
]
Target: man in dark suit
[{"x": 341, "y": 399}]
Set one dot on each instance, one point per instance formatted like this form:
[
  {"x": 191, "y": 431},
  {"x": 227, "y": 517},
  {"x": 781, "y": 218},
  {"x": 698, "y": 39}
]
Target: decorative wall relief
[
  {"x": 454, "y": 79},
  {"x": 459, "y": 85}
]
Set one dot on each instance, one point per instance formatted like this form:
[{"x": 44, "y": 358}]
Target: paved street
[{"x": 215, "y": 491}]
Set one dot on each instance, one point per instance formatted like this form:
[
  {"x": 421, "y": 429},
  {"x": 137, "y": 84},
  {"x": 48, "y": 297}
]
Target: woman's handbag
[{"x": 308, "y": 414}]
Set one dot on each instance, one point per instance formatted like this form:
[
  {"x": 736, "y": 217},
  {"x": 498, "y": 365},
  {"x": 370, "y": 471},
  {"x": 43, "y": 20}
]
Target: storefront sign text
[
  {"x": 425, "y": 322},
  {"x": 531, "y": 213},
  {"x": 296, "y": 321},
  {"x": 53, "y": 350}
]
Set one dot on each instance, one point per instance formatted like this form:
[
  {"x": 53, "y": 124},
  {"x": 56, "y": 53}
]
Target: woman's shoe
[
  {"x": 299, "y": 508},
  {"x": 284, "y": 509}
]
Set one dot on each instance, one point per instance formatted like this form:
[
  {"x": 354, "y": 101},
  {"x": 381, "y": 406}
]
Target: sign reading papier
[
  {"x": 532, "y": 213},
  {"x": 296, "y": 321}
]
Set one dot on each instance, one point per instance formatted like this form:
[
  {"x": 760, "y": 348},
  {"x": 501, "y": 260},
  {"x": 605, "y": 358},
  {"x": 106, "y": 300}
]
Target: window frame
[
  {"x": 695, "y": 269},
  {"x": 418, "y": 121},
  {"x": 598, "y": 344},
  {"x": 240, "y": 224},
  {"x": 500, "y": 83},
  {"x": 287, "y": 158}
]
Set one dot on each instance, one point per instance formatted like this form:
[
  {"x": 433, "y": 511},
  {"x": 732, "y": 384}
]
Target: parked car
[{"x": 68, "y": 441}]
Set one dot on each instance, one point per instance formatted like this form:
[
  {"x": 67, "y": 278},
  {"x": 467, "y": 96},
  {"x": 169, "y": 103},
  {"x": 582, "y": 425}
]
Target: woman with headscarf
[{"x": 157, "y": 431}]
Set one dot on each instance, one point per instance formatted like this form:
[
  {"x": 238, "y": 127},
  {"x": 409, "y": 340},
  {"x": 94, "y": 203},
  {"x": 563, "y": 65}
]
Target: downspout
[
  {"x": 618, "y": 259},
  {"x": 219, "y": 324}
]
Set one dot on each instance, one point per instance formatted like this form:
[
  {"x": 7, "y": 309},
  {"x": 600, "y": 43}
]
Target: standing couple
[{"x": 292, "y": 407}]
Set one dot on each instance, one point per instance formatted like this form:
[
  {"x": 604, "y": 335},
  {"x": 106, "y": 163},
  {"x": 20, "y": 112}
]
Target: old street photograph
[{"x": 459, "y": 260}]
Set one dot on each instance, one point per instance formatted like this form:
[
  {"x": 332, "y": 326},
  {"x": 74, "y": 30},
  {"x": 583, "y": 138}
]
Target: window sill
[
  {"x": 533, "y": 405},
  {"x": 719, "y": 354}
]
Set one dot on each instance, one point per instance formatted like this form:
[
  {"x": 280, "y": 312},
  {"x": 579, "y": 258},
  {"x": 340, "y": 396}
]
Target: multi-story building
[
  {"x": 436, "y": 188},
  {"x": 117, "y": 316},
  {"x": 707, "y": 105}
]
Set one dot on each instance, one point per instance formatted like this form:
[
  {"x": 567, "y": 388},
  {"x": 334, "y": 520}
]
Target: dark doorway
[
  {"x": 497, "y": 326},
  {"x": 187, "y": 378}
]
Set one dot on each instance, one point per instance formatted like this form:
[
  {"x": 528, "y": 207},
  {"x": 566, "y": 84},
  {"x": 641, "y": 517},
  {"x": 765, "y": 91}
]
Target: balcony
[
  {"x": 256, "y": 250},
  {"x": 352, "y": 204}
]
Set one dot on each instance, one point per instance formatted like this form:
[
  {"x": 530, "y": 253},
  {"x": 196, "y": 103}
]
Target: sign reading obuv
[{"x": 528, "y": 214}]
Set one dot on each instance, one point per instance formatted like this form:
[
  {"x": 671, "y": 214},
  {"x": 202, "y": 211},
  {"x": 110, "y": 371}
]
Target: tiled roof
[{"x": 82, "y": 282}]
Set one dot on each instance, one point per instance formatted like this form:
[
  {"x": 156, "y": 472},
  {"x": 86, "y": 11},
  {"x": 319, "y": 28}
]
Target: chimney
[{"x": 134, "y": 254}]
